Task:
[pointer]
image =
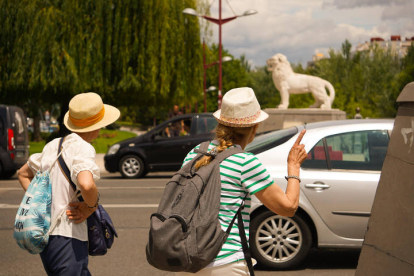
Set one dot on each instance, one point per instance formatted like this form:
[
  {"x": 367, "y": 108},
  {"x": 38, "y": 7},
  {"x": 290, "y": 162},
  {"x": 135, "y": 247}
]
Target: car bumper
[
  {"x": 9, "y": 164},
  {"x": 111, "y": 163}
]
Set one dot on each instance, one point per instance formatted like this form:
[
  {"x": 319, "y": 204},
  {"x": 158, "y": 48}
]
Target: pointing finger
[{"x": 300, "y": 137}]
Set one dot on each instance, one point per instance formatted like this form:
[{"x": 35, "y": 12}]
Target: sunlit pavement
[{"x": 130, "y": 204}]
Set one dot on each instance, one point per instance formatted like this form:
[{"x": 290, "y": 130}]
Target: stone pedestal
[
  {"x": 284, "y": 118},
  {"x": 388, "y": 245}
]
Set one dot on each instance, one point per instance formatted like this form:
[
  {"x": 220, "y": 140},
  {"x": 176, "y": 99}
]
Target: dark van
[{"x": 14, "y": 140}]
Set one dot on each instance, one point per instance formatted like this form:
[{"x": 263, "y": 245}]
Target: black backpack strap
[
  {"x": 63, "y": 167},
  {"x": 245, "y": 245},
  {"x": 242, "y": 234}
]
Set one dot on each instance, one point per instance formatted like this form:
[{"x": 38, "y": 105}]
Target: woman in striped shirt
[{"x": 243, "y": 174}]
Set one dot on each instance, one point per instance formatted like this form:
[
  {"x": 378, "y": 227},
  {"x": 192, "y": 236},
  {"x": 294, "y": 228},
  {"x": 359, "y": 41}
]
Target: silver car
[{"x": 339, "y": 180}]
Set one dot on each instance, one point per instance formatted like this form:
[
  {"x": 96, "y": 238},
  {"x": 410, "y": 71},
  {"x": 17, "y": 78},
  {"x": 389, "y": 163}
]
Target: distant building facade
[
  {"x": 316, "y": 57},
  {"x": 395, "y": 44}
]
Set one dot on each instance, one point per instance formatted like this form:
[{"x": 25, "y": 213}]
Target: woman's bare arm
[
  {"x": 80, "y": 210},
  {"x": 88, "y": 188},
  {"x": 25, "y": 176},
  {"x": 285, "y": 203}
]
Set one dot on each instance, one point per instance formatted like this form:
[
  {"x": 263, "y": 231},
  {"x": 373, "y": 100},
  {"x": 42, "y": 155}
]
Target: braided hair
[{"x": 227, "y": 137}]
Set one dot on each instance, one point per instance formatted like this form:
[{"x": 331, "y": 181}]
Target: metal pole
[
  {"x": 204, "y": 76},
  {"x": 220, "y": 62}
]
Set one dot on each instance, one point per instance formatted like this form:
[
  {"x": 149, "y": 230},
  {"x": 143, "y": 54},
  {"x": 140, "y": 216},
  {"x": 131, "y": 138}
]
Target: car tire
[
  {"x": 131, "y": 166},
  {"x": 7, "y": 174},
  {"x": 279, "y": 242}
]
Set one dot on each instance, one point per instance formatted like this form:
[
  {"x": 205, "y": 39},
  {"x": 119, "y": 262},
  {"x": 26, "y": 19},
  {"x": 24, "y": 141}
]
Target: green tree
[
  {"x": 233, "y": 75},
  {"x": 366, "y": 80},
  {"x": 133, "y": 53}
]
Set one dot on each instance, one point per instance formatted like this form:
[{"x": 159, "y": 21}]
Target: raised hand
[{"x": 297, "y": 153}]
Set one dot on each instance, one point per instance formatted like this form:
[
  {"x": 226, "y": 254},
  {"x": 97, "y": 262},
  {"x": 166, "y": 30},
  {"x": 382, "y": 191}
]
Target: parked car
[
  {"x": 159, "y": 149},
  {"x": 339, "y": 181},
  {"x": 14, "y": 140}
]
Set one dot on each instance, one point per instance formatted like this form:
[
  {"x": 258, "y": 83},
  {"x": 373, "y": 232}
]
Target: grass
[
  {"x": 106, "y": 138},
  {"x": 109, "y": 137},
  {"x": 36, "y": 147}
]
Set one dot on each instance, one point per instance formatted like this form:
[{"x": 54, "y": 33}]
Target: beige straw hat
[
  {"x": 87, "y": 112},
  {"x": 240, "y": 108}
]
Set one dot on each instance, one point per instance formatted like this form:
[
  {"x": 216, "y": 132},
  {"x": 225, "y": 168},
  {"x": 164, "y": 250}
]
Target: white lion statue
[{"x": 288, "y": 82}]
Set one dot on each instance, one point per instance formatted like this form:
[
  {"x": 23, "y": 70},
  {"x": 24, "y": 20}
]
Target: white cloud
[
  {"x": 297, "y": 28},
  {"x": 397, "y": 12},
  {"x": 348, "y": 4}
]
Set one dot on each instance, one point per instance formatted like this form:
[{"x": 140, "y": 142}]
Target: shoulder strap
[
  {"x": 245, "y": 245},
  {"x": 63, "y": 167},
  {"x": 204, "y": 146},
  {"x": 227, "y": 153},
  {"x": 242, "y": 234},
  {"x": 222, "y": 155}
]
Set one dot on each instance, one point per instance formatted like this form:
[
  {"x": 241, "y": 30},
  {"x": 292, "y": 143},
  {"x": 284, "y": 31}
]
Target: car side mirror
[{"x": 157, "y": 137}]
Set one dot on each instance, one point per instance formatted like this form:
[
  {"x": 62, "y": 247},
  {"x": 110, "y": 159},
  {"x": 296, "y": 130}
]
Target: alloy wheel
[
  {"x": 279, "y": 239},
  {"x": 131, "y": 167}
]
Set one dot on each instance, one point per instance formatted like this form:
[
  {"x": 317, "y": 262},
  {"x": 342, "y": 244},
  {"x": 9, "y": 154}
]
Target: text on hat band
[{"x": 88, "y": 121}]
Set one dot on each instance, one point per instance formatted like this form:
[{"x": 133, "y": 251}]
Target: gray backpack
[{"x": 185, "y": 233}]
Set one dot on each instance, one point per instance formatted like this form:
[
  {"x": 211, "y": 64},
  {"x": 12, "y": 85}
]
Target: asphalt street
[{"x": 130, "y": 203}]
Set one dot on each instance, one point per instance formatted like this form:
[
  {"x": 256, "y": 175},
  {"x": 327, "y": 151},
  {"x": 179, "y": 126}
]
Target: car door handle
[{"x": 317, "y": 186}]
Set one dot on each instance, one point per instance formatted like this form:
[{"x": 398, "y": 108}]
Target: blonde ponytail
[{"x": 227, "y": 137}]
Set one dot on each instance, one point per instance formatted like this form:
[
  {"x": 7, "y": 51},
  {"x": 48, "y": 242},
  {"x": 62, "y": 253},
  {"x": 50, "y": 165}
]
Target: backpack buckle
[{"x": 213, "y": 152}]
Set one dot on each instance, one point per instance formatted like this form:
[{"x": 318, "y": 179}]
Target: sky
[{"x": 301, "y": 28}]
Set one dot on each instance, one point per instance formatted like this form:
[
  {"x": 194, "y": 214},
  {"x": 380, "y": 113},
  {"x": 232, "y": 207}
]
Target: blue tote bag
[
  {"x": 32, "y": 221},
  {"x": 32, "y": 225}
]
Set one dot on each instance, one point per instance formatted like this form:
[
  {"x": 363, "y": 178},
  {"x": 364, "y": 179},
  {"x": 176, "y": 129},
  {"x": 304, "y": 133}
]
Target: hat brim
[
  {"x": 263, "y": 116},
  {"x": 111, "y": 115}
]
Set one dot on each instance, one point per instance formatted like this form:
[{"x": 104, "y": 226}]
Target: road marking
[
  {"x": 131, "y": 188},
  {"x": 100, "y": 188},
  {"x": 15, "y": 206},
  {"x": 135, "y": 180},
  {"x": 130, "y": 205},
  {"x": 8, "y": 206}
]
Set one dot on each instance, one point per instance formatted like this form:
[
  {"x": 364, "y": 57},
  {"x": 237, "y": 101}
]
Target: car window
[
  {"x": 316, "y": 157},
  {"x": 205, "y": 125},
  {"x": 175, "y": 129},
  {"x": 362, "y": 150},
  {"x": 1, "y": 126},
  {"x": 18, "y": 122},
  {"x": 270, "y": 140}
]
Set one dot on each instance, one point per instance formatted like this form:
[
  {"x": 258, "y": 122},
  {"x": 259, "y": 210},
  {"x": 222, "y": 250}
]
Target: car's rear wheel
[
  {"x": 279, "y": 242},
  {"x": 131, "y": 166},
  {"x": 7, "y": 174}
]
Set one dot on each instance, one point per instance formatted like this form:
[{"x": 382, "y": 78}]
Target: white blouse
[{"x": 79, "y": 156}]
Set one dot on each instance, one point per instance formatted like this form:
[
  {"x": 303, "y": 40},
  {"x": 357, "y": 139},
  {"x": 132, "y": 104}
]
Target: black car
[
  {"x": 14, "y": 140},
  {"x": 162, "y": 148}
]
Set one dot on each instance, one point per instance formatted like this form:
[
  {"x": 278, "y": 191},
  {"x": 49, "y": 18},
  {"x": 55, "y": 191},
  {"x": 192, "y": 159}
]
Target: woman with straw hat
[
  {"x": 67, "y": 250},
  {"x": 243, "y": 174}
]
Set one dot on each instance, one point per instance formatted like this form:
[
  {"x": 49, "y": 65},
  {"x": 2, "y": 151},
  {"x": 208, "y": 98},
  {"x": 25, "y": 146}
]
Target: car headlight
[{"x": 113, "y": 149}]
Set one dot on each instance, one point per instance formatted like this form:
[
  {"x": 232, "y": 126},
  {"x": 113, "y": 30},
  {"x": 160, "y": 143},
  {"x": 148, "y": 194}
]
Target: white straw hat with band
[
  {"x": 240, "y": 108},
  {"x": 87, "y": 112}
]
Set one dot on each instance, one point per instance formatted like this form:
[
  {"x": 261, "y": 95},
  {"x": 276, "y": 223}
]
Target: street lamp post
[
  {"x": 205, "y": 67},
  {"x": 220, "y": 21}
]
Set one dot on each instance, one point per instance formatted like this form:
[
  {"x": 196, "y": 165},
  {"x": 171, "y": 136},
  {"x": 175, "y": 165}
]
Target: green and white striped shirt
[{"x": 240, "y": 173}]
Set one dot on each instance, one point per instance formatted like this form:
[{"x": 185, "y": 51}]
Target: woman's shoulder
[
  {"x": 243, "y": 156},
  {"x": 80, "y": 146}
]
